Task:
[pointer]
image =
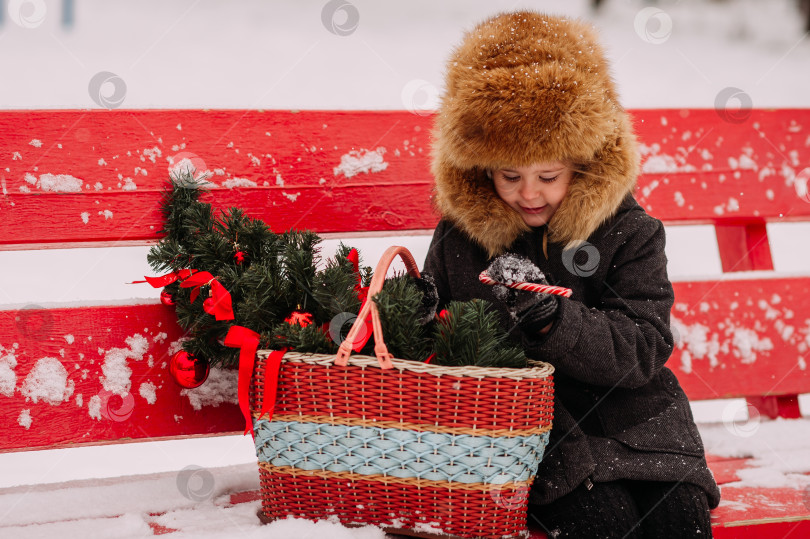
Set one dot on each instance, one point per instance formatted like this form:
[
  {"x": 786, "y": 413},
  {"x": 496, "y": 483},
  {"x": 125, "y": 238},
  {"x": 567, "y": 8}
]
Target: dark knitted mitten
[
  {"x": 532, "y": 311},
  {"x": 540, "y": 315},
  {"x": 430, "y": 298}
]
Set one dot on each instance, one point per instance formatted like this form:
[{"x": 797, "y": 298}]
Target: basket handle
[{"x": 370, "y": 308}]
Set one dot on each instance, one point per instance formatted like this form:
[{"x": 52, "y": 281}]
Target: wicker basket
[{"x": 416, "y": 449}]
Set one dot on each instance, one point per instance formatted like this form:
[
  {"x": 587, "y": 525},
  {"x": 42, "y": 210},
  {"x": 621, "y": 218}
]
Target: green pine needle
[{"x": 470, "y": 334}]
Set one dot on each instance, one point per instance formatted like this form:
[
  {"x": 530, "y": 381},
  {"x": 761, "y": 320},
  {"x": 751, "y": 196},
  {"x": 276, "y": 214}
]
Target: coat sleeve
[
  {"x": 626, "y": 340},
  {"x": 435, "y": 263}
]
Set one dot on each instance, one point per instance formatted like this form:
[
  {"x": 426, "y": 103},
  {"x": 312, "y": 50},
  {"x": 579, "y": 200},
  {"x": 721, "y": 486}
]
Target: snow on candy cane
[{"x": 531, "y": 287}]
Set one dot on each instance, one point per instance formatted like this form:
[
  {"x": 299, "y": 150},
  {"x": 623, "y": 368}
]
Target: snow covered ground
[
  {"x": 196, "y": 500},
  {"x": 366, "y": 55}
]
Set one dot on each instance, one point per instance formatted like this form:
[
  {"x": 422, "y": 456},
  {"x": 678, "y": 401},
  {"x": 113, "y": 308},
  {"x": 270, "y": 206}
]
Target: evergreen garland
[
  {"x": 399, "y": 304},
  {"x": 467, "y": 333},
  {"x": 470, "y": 329},
  {"x": 272, "y": 278},
  {"x": 276, "y": 277}
]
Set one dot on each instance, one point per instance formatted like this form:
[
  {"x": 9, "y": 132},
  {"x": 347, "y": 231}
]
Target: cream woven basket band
[{"x": 405, "y": 425}]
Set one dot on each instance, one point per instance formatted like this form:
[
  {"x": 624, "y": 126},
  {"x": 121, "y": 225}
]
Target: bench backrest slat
[
  {"x": 697, "y": 168},
  {"x": 115, "y": 382},
  {"x": 326, "y": 171}
]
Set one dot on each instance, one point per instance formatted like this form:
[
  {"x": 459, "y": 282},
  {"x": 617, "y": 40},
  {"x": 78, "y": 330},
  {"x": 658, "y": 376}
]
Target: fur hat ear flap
[
  {"x": 467, "y": 197},
  {"x": 594, "y": 196}
]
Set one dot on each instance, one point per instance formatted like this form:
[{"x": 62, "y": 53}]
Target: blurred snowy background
[
  {"x": 362, "y": 54},
  {"x": 278, "y": 55}
]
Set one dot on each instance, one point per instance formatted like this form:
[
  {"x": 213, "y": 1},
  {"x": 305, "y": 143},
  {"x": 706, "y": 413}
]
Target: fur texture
[{"x": 524, "y": 88}]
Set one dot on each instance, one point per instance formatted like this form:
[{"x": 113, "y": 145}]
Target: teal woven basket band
[{"x": 399, "y": 453}]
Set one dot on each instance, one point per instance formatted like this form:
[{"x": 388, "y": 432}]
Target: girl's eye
[
  {"x": 549, "y": 180},
  {"x": 511, "y": 178}
]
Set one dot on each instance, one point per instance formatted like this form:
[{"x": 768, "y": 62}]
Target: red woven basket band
[
  {"x": 423, "y": 483},
  {"x": 395, "y": 507},
  {"x": 319, "y": 388}
]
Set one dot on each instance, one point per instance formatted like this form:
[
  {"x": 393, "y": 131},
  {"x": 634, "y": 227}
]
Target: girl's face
[{"x": 535, "y": 191}]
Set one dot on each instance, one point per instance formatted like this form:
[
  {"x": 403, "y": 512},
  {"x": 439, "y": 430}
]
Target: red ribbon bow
[
  {"x": 443, "y": 315},
  {"x": 247, "y": 341},
  {"x": 222, "y": 306},
  {"x": 362, "y": 295},
  {"x": 169, "y": 278},
  {"x": 362, "y": 291}
]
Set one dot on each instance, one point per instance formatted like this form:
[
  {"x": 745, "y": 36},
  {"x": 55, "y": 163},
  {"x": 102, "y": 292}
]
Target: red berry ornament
[
  {"x": 187, "y": 370},
  {"x": 299, "y": 318},
  {"x": 240, "y": 257},
  {"x": 166, "y": 298},
  {"x": 208, "y": 305}
]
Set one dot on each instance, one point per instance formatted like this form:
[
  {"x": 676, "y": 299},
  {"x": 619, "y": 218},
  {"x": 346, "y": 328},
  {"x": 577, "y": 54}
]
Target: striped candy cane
[{"x": 531, "y": 287}]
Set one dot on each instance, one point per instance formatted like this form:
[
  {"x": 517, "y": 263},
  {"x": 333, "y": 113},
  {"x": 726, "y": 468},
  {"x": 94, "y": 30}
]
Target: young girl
[{"x": 534, "y": 157}]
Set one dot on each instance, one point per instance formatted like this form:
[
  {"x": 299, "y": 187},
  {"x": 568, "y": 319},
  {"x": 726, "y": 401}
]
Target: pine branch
[
  {"x": 308, "y": 340},
  {"x": 299, "y": 254},
  {"x": 334, "y": 289},
  {"x": 398, "y": 304},
  {"x": 470, "y": 334}
]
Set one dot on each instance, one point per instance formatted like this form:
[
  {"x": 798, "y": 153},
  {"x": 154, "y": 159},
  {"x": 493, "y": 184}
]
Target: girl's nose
[{"x": 529, "y": 190}]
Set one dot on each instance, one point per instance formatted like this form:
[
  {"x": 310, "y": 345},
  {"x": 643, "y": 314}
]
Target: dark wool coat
[
  {"x": 619, "y": 412},
  {"x": 525, "y": 88}
]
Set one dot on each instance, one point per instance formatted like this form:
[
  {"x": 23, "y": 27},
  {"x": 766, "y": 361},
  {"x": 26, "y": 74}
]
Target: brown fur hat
[{"x": 524, "y": 88}]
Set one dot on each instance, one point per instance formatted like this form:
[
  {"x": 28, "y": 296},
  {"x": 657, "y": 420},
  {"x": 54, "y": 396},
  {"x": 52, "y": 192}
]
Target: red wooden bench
[{"x": 94, "y": 178}]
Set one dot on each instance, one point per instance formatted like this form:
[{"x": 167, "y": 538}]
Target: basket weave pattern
[
  {"x": 310, "y": 384},
  {"x": 395, "y": 505},
  {"x": 450, "y": 452},
  {"x": 398, "y": 453}
]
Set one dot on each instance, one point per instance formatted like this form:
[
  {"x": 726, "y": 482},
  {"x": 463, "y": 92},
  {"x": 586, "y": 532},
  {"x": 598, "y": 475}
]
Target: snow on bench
[{"x": 91, "y": 374}]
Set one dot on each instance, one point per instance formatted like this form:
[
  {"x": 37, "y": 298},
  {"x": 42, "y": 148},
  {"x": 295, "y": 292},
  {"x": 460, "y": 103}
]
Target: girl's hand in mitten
[
  {"x": 532, "y": 311},
  {"x": 430, "y": 297}
]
